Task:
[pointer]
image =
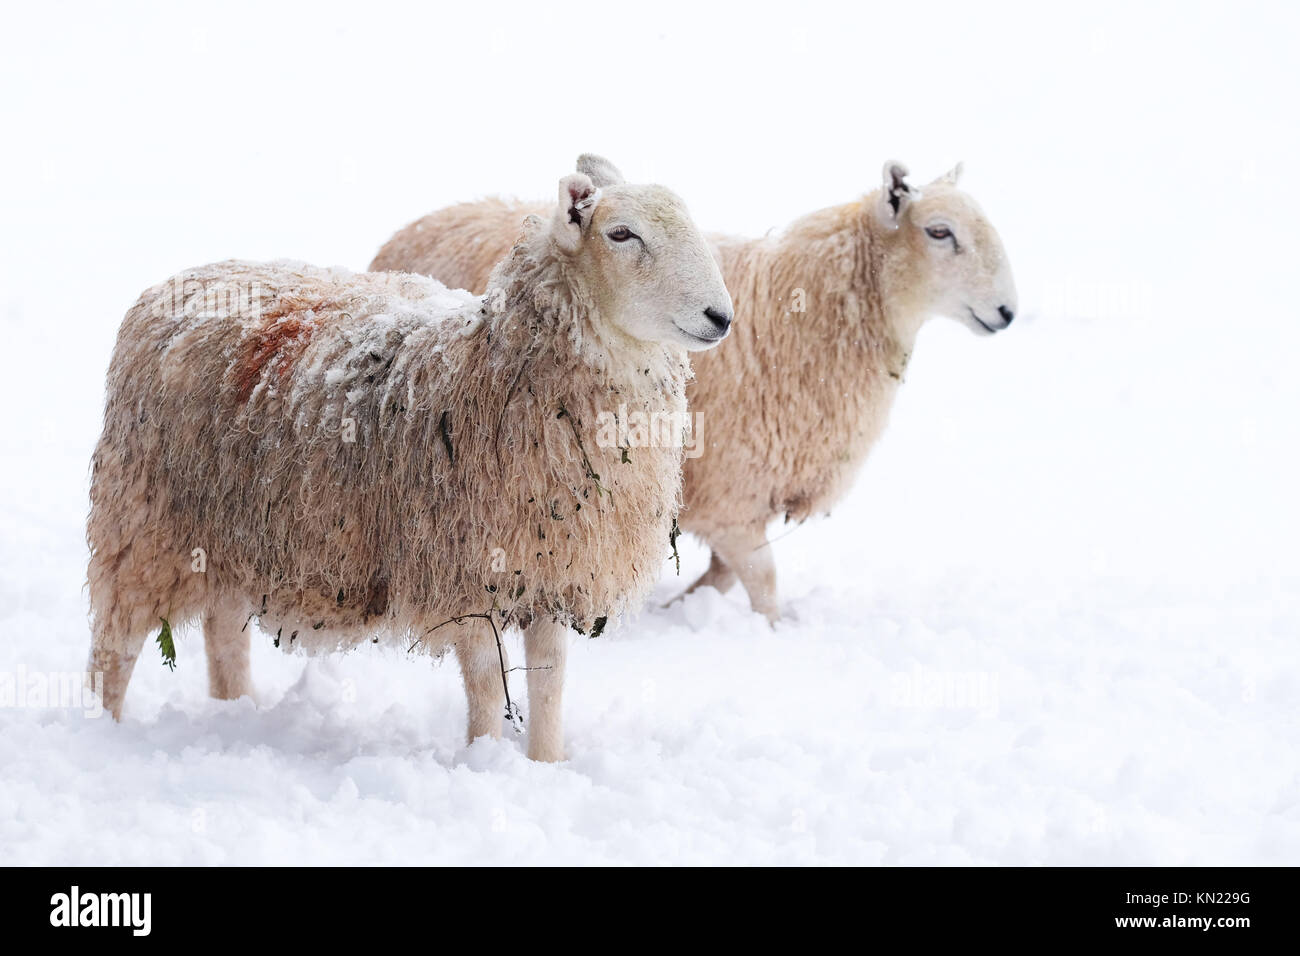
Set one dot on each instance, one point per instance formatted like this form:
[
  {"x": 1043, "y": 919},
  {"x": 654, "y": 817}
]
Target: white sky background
[{"x": 1113, "y": 142}]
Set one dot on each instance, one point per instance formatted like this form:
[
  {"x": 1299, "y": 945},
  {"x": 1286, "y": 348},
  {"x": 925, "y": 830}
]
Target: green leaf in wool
[{"x": 166, "y": 645}]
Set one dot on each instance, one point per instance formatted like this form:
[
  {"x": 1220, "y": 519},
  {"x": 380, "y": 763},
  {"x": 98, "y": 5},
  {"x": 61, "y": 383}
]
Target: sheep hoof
[{"x": 546, "y": 754}]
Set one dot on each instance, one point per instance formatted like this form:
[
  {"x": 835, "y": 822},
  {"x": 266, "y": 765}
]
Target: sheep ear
[
  {"x": 578, "y": 198},
  {"x": 600, "y": 170},
  {"x": 895, "y": 195},
  {"x": 951, "y": 176}
]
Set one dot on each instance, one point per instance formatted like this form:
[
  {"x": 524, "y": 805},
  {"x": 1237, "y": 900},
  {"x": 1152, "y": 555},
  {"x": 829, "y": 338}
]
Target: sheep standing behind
[
  {"x": 830, "y": 310},
  {"x": 348, "y": 456}
]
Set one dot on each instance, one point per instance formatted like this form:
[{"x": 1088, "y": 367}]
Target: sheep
[
  {"x": 830, "y": 311},
  {"x": 349, "y": 456}
]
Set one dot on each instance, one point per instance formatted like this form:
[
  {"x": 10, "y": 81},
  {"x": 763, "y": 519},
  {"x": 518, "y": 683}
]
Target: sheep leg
[
  {"x": 719, "y": 576},
  {"x": 480, "y": 666},
  {"x": 226, "y": 639},
  {"x": 112, "y": 662},
  {"x": 545, "y": 645},
  {"x": 748, "y": 553}
]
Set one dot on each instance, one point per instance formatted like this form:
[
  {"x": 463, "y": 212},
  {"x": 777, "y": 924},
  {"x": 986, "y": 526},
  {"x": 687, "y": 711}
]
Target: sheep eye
[
  {"x": 620, "y": 234},
  {"x": 938, "y": 232}
]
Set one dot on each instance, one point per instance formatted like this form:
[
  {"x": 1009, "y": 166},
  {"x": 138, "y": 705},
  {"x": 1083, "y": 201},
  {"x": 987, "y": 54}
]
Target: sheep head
[
  {"x": 640, "y": 257},
  {"x": 956, "y": 256}
]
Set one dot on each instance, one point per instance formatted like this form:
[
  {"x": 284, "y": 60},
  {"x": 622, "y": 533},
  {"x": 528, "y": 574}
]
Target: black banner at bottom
[{"x": 1226, "y": 906}]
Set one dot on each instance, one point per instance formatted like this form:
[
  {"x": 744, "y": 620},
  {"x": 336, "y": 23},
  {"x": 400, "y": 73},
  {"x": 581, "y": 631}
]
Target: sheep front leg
[
  {"x": 719, "y": 576},
  {"x": 546, "y": 644},
  {"x": 226, "y": 640},
  {"x": 748, "y": 553},
  {"x": 480, "y": 666}
]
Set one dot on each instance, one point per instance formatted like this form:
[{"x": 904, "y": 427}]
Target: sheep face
[
  {"x": 645, "y": 265},
  {"x": 963, "y": 269}
]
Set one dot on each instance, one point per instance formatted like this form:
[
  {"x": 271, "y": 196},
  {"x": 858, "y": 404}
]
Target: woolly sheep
[
  {"x": 345, "y": 457},
  {"x": 830, "y": 309}
]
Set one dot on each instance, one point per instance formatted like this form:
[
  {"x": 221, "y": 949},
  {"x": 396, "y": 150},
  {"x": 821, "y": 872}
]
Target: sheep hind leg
[
  {"x": 226, "y": 640},
  {"x": 747, "y": 552},
  {"x": 546, "y": 644},
  {"x": 112, "y": 661},
  {"x": 481, "y": 666}
]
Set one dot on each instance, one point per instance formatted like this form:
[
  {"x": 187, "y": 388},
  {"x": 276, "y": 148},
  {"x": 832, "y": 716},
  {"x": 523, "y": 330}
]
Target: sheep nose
[
  {"x": 1007, "y": 314},
  {"x": 721, "y": 319}
]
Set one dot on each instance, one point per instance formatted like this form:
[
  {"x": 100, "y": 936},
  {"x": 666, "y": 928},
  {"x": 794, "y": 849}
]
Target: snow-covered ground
[{"x": 1055, "y": 622}]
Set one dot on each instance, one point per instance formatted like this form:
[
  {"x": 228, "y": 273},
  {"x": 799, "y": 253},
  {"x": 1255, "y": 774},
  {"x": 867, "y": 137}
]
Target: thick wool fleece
[
  {"x": 366, "y": 455},
  {"x": 790, "y": 405}
]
